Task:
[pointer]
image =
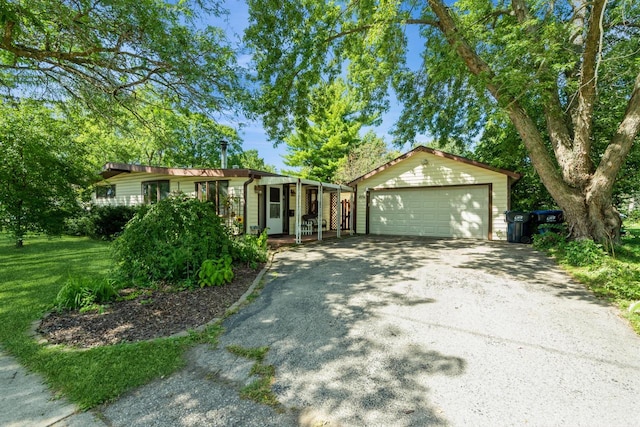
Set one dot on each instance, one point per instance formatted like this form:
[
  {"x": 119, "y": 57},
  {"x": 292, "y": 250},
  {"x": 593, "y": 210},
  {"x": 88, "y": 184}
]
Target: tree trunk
[
  {"x": 19, "y": 228},
  {"x": 584, "y": 194}
]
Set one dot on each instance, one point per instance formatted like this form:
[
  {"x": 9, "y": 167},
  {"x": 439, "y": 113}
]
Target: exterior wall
[
  {"x": 252, "y": 205},
  {"x": 129, "y": 187},
  {"x": 426, "y": 170},
  {"x": 129, "y": 191}
]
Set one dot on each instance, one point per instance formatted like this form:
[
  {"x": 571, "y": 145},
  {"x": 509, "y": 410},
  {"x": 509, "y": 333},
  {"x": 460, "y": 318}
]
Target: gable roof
[
  {"x": 112, "y": 169},
  {"x": 423, "y": 149}
]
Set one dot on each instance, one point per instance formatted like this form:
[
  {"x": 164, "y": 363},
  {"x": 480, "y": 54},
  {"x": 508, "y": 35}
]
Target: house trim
[{"x": 421, "y": 149}]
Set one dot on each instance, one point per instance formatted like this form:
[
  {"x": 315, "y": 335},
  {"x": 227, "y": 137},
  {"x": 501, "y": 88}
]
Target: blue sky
[{"x": 252, "y": 132}]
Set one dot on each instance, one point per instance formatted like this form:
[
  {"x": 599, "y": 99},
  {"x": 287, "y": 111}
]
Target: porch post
[
  {"x": 352, "y": 204},
  {"x": 319, "y": 211},
  {"x": 298, "y": 216},
  {"x": 338, "y": 214}
]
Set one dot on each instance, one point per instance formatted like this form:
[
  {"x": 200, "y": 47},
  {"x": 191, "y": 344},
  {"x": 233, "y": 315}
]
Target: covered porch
[{"x": 302, "y": 209}]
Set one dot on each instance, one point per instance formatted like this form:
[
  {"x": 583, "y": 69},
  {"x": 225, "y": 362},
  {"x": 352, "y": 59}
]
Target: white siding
[
  {"x": 129, "y": 190},
  {"x": 252, "y": 206},
  {"x": 428, "y": 170}
]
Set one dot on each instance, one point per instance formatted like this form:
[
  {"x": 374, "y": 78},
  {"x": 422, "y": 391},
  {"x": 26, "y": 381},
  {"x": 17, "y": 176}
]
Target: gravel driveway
[{"x": 411, "y": 332}]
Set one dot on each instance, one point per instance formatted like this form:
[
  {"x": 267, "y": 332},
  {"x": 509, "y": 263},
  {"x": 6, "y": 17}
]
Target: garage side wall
[{"x": 427, "y": 170}]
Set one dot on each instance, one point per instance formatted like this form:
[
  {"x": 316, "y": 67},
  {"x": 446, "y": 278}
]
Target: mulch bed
[{"x": 154, "y": 314}]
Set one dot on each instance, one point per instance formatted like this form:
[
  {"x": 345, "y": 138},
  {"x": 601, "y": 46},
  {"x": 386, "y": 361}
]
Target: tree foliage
[
  {"x": 170, "y": 137},
  {"x": 501, "y": 147},
  {"x": 320, "y": 141},
  {"x": 40, "y": 171},
  {"x": 250, "y": 159},
  {"x": 565, "y": 73},
  {"x": 98, "y": 52},
  {"x": 371, "y": 153}
]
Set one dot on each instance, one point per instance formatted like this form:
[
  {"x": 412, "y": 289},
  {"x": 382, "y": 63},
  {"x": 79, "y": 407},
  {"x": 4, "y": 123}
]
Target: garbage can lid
[{"x": 518, "y": 216}]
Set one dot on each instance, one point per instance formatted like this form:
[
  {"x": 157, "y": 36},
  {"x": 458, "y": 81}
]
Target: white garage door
[{"x": 436, "y": 212}]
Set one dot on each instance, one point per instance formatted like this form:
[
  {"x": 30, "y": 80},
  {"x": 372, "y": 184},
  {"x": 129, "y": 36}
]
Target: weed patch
[
  {"x": 259, "y": 390},
  {"x": 615, "y": 276}
]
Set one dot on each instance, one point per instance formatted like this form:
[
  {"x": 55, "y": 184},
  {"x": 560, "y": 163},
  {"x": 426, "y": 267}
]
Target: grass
[
  {"x": 614, "y": 278},
  {"x": 30, "y": 279},
  {"x": 259, "y": 390}
]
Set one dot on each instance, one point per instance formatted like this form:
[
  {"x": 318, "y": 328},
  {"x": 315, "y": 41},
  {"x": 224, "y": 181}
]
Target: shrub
[
  {"x": 109, "y": 221},
  {"x": 101, "y": 222},
  {"x": 170, "y": 241},
  {"x": 80, "y": 224},
  {"x": 583, "y": 253},
  {"x": 553, "y": 237},
  {"x": 84, "y": 294},
  {"x": 250, "y": 249}
]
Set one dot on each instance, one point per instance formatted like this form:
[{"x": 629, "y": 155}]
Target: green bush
[
  {"x": 250, "y": 249},
  {"x": 583, "y": 253},
  {"x": 101, "y": 222},
  {"x": 84, "y": 294},
  {"x": 553, "y": 237},
  {"x": 170, "y": 241},
  {"x": 109, "y": 221}
]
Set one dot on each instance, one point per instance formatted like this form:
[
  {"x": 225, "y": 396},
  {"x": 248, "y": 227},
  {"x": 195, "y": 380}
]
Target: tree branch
[
  {"x": 526, "y": 127},
  {"x": 583, "y": 118},
  {"x": 367, "y": 27},
  {"x": 620, "y": 145}
]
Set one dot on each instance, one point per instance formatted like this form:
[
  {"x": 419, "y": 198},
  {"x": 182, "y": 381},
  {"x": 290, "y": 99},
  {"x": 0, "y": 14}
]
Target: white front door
[{"x": 274, "y": 209}]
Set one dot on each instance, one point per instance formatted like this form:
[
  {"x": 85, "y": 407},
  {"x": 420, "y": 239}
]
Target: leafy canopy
[
  {"x": 558, "y": 70},
  {"x": 39, "y": 171},
  {"x": 98, "y": 52},
  {"x": 320, "y": 142}
]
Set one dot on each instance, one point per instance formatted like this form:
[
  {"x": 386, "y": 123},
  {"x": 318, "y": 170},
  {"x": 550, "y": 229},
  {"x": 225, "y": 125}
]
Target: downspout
[{"x": 244, "y": 196}]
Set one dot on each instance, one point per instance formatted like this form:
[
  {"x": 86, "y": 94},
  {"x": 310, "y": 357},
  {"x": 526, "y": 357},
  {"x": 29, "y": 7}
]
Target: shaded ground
[
  {"x": 152, "y": 314},
  {"x": 403, "y": 332}
]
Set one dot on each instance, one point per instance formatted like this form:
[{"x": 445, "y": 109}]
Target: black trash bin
[
  {"x": 545, "y": 217},
  {"x": 520, "y": 226}
]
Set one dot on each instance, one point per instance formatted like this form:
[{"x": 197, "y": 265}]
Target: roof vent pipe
[{"x": 223, "y": 148}]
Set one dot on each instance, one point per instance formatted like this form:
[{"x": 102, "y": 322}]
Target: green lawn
[{"x": 30, "y": 278}]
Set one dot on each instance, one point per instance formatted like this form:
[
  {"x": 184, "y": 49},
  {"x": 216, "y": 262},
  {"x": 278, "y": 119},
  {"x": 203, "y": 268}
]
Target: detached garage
[{"x": 427, "y": 192}]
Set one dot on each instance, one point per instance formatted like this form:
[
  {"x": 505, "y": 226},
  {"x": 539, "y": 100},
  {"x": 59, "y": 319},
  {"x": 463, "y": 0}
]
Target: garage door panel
[{"x": 436, "y": 212}]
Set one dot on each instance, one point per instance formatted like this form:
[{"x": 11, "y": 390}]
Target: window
[
  {"x": 312, "y": 201},
  {"x": 274, "y": 202},
  {"x": 216, "y": 192},
  {"x": 153, "y": 191},
  {"x": 106, "y": 191}
]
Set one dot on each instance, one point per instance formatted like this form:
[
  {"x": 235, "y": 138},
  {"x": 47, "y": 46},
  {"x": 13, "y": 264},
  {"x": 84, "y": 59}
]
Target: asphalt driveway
[{"x": 410, "y": 332}]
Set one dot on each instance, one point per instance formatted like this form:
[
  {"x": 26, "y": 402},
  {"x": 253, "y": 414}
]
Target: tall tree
[
  {"x": 371, "y": 153},
  {"x": 501, "y": 147},
  {"x": 250, "y": 159},
  {"x": 543, "y": 64},
  {"x": 331, "y": 129},
  {"x": 101, "y": 52},
  {"x": 168, "y": 137},
  {"x": 40, "y": 170}
]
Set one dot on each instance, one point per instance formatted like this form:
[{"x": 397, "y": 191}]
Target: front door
[{"x": 274, "y": 209}]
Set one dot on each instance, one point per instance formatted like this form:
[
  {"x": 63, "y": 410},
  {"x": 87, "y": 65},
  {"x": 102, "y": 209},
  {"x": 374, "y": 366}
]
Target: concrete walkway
[{"x": 25, "y": 401}]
